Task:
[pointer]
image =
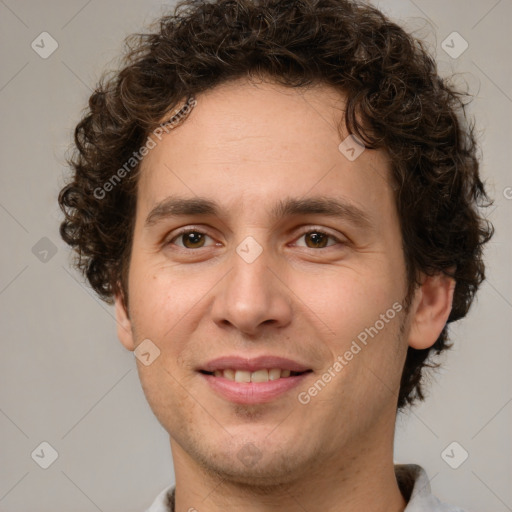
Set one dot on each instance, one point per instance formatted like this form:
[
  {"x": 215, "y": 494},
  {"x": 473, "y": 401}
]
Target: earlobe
[
  {"x": 430, "y": 310},
  {"x": 124, "y": 325}
]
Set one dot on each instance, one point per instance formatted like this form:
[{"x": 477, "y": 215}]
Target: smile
[
  {"x": 263, "y": 375},
  {"x": 249, "y": 391}
]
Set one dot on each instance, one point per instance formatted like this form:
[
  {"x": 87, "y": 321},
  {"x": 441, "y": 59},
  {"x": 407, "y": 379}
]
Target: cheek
[
  {"x": 160, "y": 301},
  {"x": 346, "y": 301},
  {"x": 163, "y": 299},
  {"x": 166, "y": 394}
]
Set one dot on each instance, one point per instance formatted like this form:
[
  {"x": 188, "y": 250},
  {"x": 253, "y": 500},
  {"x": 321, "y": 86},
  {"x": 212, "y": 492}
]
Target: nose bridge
[{"x": 251, "y": 295}]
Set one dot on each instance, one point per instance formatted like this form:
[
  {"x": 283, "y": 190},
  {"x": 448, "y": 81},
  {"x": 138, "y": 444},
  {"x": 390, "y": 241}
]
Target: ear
[
  {"x": 124, "y": 324},
  {"x": 430, "y": 310}
]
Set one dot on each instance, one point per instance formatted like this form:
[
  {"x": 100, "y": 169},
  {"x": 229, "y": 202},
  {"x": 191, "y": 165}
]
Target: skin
[{"x": 248, "y": 145}]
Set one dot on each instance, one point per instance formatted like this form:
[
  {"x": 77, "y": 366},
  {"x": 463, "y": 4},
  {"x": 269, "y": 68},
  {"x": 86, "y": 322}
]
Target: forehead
[{"x": 246, "y": 142}]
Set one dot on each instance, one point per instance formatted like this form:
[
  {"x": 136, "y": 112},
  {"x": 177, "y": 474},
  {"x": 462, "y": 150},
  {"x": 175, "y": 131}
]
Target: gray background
[{"x": 65, "y": 378}]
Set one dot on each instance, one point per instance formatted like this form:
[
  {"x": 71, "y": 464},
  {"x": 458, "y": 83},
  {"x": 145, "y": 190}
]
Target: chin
[
  {"x": 262, "y": 476},
  {"x": 254, "y": 464}
]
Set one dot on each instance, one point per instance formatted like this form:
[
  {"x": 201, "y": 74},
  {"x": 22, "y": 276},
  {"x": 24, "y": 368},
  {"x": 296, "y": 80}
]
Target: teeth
[
  {"x": 262, "y": 375},
  {"x": 259, "y": 376},
  {"x": 229, "y": 374},
  {"x": 274, "y": 374},
  {"x": 242, "y": 376}
]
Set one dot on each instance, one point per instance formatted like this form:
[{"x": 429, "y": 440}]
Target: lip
[
  {"x": 252, "y": 392},
  {"x": 253, "y": 364}
]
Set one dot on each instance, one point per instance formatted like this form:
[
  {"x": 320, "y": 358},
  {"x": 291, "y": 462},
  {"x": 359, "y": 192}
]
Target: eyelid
[
  {"x": 184, "y": 231},
  {"x": 305, "y": 230},
  {"x": 324, "y": 231}
]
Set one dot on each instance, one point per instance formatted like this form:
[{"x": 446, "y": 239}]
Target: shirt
[{"x": 412, "y": 481}]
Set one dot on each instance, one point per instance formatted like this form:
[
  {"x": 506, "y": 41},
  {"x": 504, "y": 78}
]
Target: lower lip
[{"x": 252, "y": 392}]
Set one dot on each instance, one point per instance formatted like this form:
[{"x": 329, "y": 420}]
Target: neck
[{"x": 357, "y": 479}]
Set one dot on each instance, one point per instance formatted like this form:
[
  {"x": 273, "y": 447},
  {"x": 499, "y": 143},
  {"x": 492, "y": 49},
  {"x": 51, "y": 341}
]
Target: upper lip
[{"x": 253, "y": 364}]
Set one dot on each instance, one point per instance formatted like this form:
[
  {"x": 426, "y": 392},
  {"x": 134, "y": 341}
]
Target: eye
[
  {"x": 191, "y": 239},
  {"x": 317, "y": 239}
]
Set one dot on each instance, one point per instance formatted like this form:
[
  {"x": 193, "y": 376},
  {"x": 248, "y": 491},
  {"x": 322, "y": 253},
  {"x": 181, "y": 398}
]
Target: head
[{"x": 279, "y": 86}]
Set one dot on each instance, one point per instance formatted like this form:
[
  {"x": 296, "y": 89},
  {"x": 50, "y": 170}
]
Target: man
[{"x": 282, "y": 200}]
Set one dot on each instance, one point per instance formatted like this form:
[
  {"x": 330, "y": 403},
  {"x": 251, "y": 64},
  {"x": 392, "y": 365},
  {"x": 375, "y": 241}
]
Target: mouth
[
  {"x": 252, "y": 380},
  {"x": 256, "y": 387},
  {"x": 261, "y": 375}
]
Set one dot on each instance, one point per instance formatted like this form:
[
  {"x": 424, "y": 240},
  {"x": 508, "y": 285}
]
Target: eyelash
[{"x": 194, "y": 230}]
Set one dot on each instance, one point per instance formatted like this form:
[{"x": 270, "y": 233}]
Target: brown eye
[
  {"x": 189, "y": 239},
  {"x": 192, "y": 240},
  {"x": 317, "y": 239}
]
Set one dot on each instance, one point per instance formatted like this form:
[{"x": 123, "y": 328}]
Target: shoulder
[
  {"x": 415, "y": 485},
  {"x": 164, "y": 502}
]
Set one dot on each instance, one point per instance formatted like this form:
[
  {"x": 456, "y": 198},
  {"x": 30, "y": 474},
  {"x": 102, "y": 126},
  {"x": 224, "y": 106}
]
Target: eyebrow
[{"x": 174, "y": 206}]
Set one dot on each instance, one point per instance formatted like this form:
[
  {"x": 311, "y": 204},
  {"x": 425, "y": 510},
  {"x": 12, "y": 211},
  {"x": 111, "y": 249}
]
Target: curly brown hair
[{"x": 395, "y": 100}]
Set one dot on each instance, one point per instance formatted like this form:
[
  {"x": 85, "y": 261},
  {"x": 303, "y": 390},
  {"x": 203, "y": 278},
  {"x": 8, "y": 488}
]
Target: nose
[{"x": 251, "y": 298}]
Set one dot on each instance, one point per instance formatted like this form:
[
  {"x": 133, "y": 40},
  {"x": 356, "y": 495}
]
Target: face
[{"x": 293, "y": 250}]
